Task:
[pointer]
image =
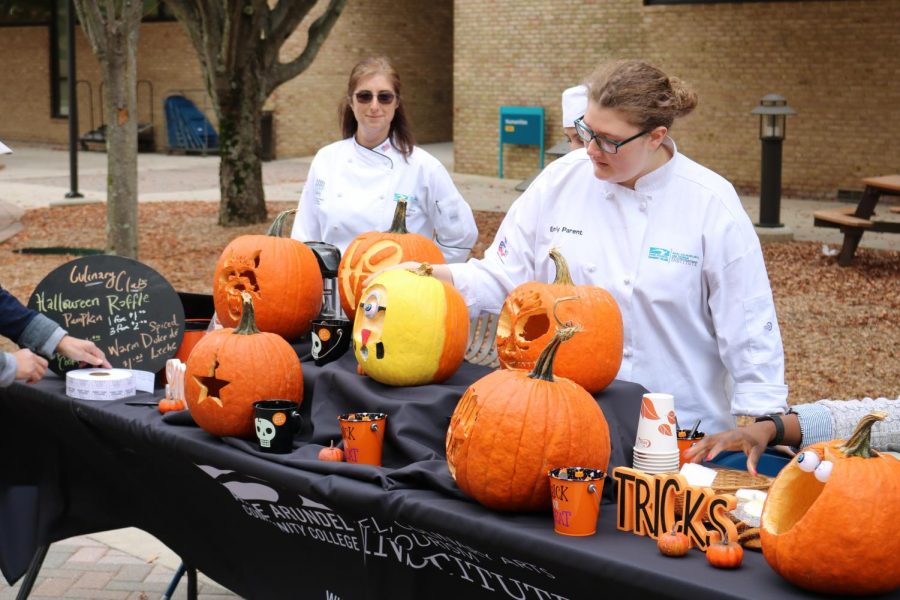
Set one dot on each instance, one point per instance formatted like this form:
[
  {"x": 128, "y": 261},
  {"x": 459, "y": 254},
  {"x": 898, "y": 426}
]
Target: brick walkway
[{"x": 82, "y": 567}]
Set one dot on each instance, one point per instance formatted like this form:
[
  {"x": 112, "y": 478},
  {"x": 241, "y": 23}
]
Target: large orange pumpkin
[
  {"x": 280, "y": 273},
  {"x": 230, "y": 369},
  {"x": 592, "y": 358},
  {"x": 373, "y": 251},
  {"x": 410, "y": 328},
  {"x": 836, "y": 537},
  {"x": 513, "y": 426}
]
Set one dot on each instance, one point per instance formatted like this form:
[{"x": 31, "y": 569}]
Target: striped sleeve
[{"x": 815, "y": 423}]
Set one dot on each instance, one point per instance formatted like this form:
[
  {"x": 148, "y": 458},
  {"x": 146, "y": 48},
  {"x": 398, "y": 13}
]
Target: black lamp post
[{"x": 772, "y": 110}]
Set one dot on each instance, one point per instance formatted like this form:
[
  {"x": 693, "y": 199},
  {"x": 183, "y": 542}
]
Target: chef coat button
[
  {"x": 610, "y": 195},
  {"x": 627, "y": 353},
  {"x": 627, "y": 281},
  {"x": 643, "y": 207},
  {"x": 591, "y": 268}
]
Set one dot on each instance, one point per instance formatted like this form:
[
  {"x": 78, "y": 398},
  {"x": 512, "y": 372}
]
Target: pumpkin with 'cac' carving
[
  {"x": 827, "y": 524},
  {"x": 280, "y": 273},
  {"x": 591, "y": 358},
  {"x": 410, "y": 328},
  {"x": 230, "y": 369},
  {"x": 513, "y": 426},
  {"x": 374, "y": 251}
]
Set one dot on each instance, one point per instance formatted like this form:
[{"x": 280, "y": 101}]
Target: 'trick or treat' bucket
[{"x": 575, "y": 494}]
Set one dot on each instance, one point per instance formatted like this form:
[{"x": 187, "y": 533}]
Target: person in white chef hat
[{"x": 574, "y": 105}]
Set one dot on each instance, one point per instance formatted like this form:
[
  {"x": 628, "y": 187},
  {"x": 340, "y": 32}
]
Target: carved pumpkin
[
  {"x": 230, "y": 369},
  {"x": 280, "y": 273},
  {"x": 833, "y": 537},
  {"x": 513, "y": 426},
  {"x": 410, "y": 328},
  {"x": 374, "y": 251},
  {"x": 592, "y": 358}
]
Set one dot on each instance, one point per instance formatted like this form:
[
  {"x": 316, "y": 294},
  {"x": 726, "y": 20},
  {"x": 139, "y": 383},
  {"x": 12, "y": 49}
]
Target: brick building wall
[
  {"x": 836, "y": 62},
  {"x": 419, "y": 42}
]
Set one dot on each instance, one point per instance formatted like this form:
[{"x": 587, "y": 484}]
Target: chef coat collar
[
  {"x": 659, "y": 178},
  {"x": 383, "y": 154}
]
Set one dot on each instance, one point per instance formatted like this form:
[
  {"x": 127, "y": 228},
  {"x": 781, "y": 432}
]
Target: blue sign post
[{"x": 523, "y": 125}]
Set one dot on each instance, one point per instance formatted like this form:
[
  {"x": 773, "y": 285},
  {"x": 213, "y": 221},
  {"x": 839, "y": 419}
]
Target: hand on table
[
  {"x": 751, "y": 439},
  {"x": 83, "y": 351},
  {"x": 29, "y": 366}
]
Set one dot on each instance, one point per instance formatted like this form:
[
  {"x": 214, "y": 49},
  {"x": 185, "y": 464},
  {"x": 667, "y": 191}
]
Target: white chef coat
[
  {"x": 351, "y": 190},
  {"x": 682, "y": 260}
]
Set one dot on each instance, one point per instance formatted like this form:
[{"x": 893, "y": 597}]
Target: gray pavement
[{"x": 129, "y": 563}]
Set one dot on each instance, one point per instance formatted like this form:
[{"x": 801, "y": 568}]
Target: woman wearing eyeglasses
[
  {"x": 667, "y": 237},
  {"x": 354, "y": 184}
]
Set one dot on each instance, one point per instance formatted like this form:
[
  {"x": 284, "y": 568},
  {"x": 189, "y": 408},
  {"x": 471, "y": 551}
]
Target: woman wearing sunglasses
[
  {"x": 667, "y": 237},
  {"x": 354, "y": 184}
]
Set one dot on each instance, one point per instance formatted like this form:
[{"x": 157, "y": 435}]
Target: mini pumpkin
[
  {"x": 281, "y": 274},
  {"x": 331, "y": 454},
  {"x": 410, "y": 328},
  {"x": 374, "y": 251},
  {"x": 833, "y": 536},
  {"x": 230, "y": 369},
  {"x": 725, "y": 554},
  {"x": 673, "y": 543},
  {"x": 513, "y": 426},
  {"x": 592, "y": 358}
]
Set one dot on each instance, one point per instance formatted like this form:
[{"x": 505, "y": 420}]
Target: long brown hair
[
  {"x": 647, "y": 96},
  {"x": 400, "y": 133}
]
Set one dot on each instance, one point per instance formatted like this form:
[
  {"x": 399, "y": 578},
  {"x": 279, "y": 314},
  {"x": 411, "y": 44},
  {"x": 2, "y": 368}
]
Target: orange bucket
[
  {"x": 194, "y": 329},
  {"x": 575, "y": 492},
  {"x": 363, "y": 435}
]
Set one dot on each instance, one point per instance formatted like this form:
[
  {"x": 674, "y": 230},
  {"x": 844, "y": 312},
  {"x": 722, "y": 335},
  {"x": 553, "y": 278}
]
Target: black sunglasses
[{"x": 383, "y": 97}]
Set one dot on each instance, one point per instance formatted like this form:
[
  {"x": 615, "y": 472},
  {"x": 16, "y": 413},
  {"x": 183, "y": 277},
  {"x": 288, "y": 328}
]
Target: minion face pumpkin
[{"x": 409, "y": 329}]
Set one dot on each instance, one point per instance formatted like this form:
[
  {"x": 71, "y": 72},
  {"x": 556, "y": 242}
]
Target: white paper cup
[{"x": 656, "y": 426}]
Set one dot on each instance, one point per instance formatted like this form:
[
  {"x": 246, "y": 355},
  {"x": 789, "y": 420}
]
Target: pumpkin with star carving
[{"x": 230, "y": 369}]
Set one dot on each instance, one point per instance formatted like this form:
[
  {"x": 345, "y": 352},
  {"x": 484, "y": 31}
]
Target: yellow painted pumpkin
[
  {"x": 280, "y": 273},
  {"x": 374, "y": 251},
  {"x": 835, "y": 537},
  {"x": 592, "y": 358},
  {"x": 230, "y": 369},
  {"x": 512, "y": 427},
  {"x": 410, "y": 328}
]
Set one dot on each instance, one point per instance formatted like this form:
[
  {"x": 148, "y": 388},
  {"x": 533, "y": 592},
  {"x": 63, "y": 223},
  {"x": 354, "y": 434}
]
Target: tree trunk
[
  {"x": 121, "y": 142},
  {"x": 240, "y": 169}
]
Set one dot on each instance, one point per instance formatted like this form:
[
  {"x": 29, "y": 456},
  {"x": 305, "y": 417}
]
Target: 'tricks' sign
[{"x": 646, "y": 506}]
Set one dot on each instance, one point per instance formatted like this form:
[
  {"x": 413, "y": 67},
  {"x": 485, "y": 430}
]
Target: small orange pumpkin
[
  {"x": 833, "y": 536},
  {"x": 673, "y": 543},
  {"x": 230, "y": 369},
  {"x": 592, "y": 358},
  {"x": 725, "y": 554},
  {"x": 511, "y": 427},
  {"x": 331, "y": 454},
  {"x": 374, "y": 251},
  {"x": 280, "y": 273}
]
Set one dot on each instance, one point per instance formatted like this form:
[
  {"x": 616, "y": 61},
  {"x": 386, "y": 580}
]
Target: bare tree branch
[{"x": 318, "y": 32}]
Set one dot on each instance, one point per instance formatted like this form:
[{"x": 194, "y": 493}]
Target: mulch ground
[{"x": 840, "y": 325}]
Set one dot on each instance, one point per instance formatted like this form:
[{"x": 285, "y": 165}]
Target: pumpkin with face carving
[
  {"x": 374, "y": 251},
  {"x": 280, "y": 273},
  {"x": 591, "y": 358},
  {"x": 410, "y": 328}
]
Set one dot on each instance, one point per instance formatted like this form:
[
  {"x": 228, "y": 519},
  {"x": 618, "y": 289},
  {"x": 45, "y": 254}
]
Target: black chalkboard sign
[{"x": 123, "y": 306}]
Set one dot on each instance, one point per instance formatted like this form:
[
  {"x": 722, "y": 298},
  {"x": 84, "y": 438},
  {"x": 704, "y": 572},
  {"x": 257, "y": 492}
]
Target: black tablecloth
[{"x": 290, "y": 526}]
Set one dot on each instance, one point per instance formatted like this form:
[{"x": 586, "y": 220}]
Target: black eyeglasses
[
  {"x": 605, "y": 144},
  {"x": 383, "y": 97}
]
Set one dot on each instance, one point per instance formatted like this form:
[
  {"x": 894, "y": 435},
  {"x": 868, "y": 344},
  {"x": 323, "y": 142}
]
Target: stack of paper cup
[{"x": 656, "y": 447}]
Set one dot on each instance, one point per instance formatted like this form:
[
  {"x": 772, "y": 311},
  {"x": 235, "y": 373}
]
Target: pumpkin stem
[
  {"x": 398, "y": 225},
  {"x": 563, "y": 277},
  {"x": 543, "y": 368},
  {"x": 556, "y": 316},
  {"x": 424, "y": 269},
  {"x": 859, "y": 443},
  {"x": 247, "y": 326},
  {"x": 278, "y": 224}
]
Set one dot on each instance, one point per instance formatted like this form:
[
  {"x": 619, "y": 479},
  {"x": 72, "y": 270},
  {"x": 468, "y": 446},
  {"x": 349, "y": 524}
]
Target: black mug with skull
[
  {"x": 330, "y": 339},
  {"x": 276, "y": 423}
]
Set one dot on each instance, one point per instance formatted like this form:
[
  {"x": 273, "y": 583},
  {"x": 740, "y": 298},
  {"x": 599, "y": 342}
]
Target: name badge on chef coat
[{"x": 412, "y": 203}]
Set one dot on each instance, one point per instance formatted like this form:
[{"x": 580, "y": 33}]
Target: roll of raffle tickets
[{"x": 100, "y": 384}]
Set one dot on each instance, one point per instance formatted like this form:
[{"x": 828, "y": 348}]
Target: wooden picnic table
[{"x": 853, "y": 221}]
